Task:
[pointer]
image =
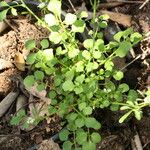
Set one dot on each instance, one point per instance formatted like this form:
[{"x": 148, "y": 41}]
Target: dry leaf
[
  {"x": 19, "y": 61},
  {"x": 120, "y": 18}
]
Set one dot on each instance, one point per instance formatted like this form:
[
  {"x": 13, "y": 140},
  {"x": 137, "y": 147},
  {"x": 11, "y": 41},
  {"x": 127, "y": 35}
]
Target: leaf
[
  {"x": 97, "y": 54},
  {"x": 51, "y": 20},
  {"x": 52, "y": 94},
  {"x": 83, "y": 14},
  {"x": 87, "y": 110},
  {"x": 95, "y": 137},
  {"x": 103, "y": 24},
  {"x": 109, "y": 65},
  {"x": 69, "y": 75},
  {"x": 88, "y": 43},
  {"x": 44, "y": 43},
  {"x": 39, "y": 75},
  {"x": 3, "y": 14},
  {"x": 30, "y": 44},
  {"x": 123, "y": 87},
  {"x": 29, "y": 81},
  {"x": 14, "y": 11},
  {"x": 81, "y": 137},
  {"x": 73, "y": 53},
  {"x": 31, "y": 59},
  {"x": 68, "y": 85},
  {"x": 81, "y": 106},
  {"x": 63, "y": 135},
  {"x": 104, "y": 17},
  {"x": 118, "y": 75},
  {"x": 123, "y": 49},
  {"x": 132, "y": 95},
  {"x": 92, "y": 123},
  {"x": 55, "y": 7},
  {"x": 79, "y": 66},
  {"x": 79, "y": 122},
  {"x": 3, "y": 4},
  {"x": 55, "y": 37},
  {"x": 138, "y": 114},
  {"x": 80, "y": 78},
  {"x": 78, "y": 89},
  {"x": 19, "y": 61},
  {"x": 71, "y": 117},
  {"x": 70, "y": 19},
  {"x": 135, "y": 38},
  {"x": 86, "y": 54},
  {"x": 121, "y": 120},
  {"x": 67, "y": 145},
  {"x": 118, "y": 36},
  {"x": 89, "y": 146},
  {"x": 40, "y": 87},
  {"x": 17, "y": 119},
  {"x": 78, "y": 26}
]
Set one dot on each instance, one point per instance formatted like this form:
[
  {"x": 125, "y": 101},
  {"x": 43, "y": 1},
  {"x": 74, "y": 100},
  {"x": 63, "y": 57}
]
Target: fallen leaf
[{"x": 19, "y": 61}]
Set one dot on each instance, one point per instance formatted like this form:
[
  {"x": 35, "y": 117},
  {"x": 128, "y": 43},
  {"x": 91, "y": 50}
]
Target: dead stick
[{"x": 7, "y": 101}]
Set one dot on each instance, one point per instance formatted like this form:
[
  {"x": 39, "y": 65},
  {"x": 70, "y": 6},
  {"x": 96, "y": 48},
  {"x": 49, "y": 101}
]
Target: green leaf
[
  {"x": 52, "y": 110},
  {"x": 18, "y": 118},
  {"x": 40, "y": 87},
  {"x": 92, "y": 123},
  {"x": 138, "y": 114},
  {"x": 71, "y": 117},
  {"x": 109, "y": 65},
  {"x": 29, "y": 81},
  {"x": 79, "y": 66},
  {"x": 55, "y": 37},
  {"x": 69, "y": 75},
  {"x": 89, "y": 146},
  {"x": 57, "y": 81},
  {"x": 52, "y": 94},
  {"x": 51, "y": 20},
  {"x": 114, "y": 107},
  {"x": 104, "y": 17},
  {"x": 67, "y": 145},
  {"x": 78, "y": 89},
  {"x": 88, "y": 43},
  {"x": 83, "y": 14},
  {"x": 73, "y": 53},
  {"x": 97, "y": 54},
  {"x": 14, "y": 11},
  {"x": 118, "y": 75},
  {"x": 81, "y": 106},
  {"x": 55, "y": 7},
  {"x": 68, "y": 85},
  {"x": 39, "y": 75},
  {"x": 3, "y": 14},
  {"x": 80, "y": 78},
  {"x": 81, "y": 137},
  {"x": 31, "y": 58},
  {"x": 44, "y": 43},
  {"x": 30, "y": 44},
  {"x": 123, "y": 49},
  {"x": 63, "y": 135},
  {"x": 79, "y": 122},
  {"x": 78, "y": 26},
  {"x": 103, "y": 24},
  {"x": 70, "y": 19},
  {"x": 135, "y": 38},
  {"x": 118, "y": 36},
  {"x": 123, "y": 87},
  {"x": 87, "y": 110},
  {"x": 86, "y": 54},
  {"x": 3, "y": 4},
  {"x": 95, "y": 137},
  {"x": 121, "y": 120},
  {"x": 132, "y": 95}
]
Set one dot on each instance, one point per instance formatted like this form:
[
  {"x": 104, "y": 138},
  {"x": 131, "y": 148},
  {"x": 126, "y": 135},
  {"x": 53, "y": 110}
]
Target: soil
[{"x": 115, "y": 136}]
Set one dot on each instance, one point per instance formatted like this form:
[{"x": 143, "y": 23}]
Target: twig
[
  {"x": 136, "y": 143},
  {"x": 146, "y": 1},
  {"x": 72, "y": 6}
]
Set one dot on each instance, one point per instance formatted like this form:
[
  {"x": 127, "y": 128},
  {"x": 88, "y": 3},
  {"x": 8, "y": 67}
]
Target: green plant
[{"x": 83, "y": 74}]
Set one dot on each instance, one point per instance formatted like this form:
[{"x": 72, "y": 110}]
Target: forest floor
[{"x": 115, "y": 136}]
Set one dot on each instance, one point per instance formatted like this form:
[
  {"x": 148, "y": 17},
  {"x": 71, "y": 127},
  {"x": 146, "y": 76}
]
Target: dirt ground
[{"x": 137, "y": 75}]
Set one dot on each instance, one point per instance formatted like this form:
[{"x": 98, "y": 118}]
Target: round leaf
[
  {"x": 95, "y": 137},
  {"x": 63, "y": 135},
  {"x": 29, "y": 81}
]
